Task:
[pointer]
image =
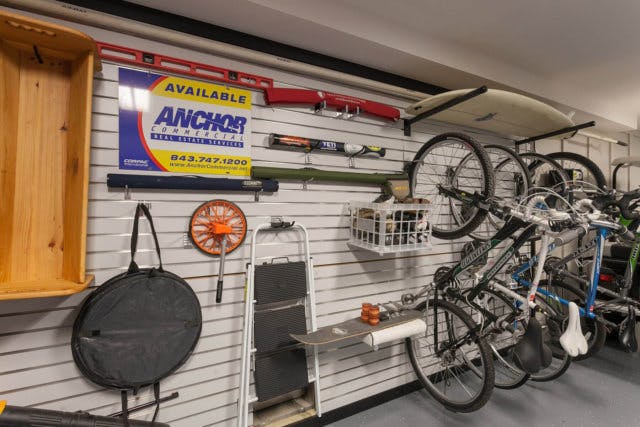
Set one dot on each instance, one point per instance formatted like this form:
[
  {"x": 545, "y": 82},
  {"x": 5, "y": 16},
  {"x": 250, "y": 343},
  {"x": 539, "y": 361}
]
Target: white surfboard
[{"x": 499, "y": 111}]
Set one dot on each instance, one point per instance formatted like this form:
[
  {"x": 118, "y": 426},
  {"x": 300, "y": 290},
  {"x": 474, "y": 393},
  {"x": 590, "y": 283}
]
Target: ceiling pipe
[{"x": 93, "y": 18}]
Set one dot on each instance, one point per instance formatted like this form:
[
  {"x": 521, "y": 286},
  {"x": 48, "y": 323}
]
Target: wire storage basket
[{"x": 390, "y": 228}]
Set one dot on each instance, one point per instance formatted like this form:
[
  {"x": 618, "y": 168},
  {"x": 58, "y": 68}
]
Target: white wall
[{"x": 36, "y": 366}]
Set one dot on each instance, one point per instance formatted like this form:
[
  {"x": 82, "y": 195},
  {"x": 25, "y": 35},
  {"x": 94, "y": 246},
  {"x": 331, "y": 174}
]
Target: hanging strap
[
  {"x": 125, "y": 407},
  {"x": 156, "y": 394},
  {"x": 142, "y": 208}
]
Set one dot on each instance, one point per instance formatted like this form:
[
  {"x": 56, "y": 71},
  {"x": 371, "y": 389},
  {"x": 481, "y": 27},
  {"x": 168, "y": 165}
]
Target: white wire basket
[{"x": 390, "y": 228}]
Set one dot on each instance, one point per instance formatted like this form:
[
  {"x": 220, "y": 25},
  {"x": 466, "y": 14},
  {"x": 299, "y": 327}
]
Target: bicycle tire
[
  {"x": 507, "y": 375},
  {"x": 512, "y": 183},
  {"x": 483, "y": 351},
  {"x": 536, "y": 161},
  {"x": 547, "y": 174},
  {"x": 594, "y": 331},
  {"x": 587, "y": 163},
  {"x": 555, "y": 328},
  {"x": 484, "y": 185}
]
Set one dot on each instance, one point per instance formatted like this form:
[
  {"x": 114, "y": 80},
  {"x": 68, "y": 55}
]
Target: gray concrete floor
[{"x": 600, "y": 391}]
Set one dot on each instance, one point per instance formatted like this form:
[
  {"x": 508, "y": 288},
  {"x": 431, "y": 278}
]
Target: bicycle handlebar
[
  {"x": 627, "y": 235},
  {"x": 628, "y": 200},
  {"x": 626, "y": 204},
  {"x": 555, "y": 220},
  {"x": 569, "y": 236}
]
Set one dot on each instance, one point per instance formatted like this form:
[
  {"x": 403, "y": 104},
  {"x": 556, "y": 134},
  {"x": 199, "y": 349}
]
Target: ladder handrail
[{"x": 247, "y": 330}]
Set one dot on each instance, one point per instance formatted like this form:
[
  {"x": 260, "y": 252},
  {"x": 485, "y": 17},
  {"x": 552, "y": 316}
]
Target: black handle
[
  {"x": 219, "y": 291},
  {"x": 142, "y": 208},
  {"x": 628, "y": 200},
  {"x": 22, "y": 416},
  {"x": 627, "y": 235},
  {"x": 569, "y": 236}
]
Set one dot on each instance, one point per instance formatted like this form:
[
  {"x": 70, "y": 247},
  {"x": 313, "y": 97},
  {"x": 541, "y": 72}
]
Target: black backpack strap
[
  {"x": 125, "y": 407},
  {"x": 142, "y": 208},
  {"x": 156, "y": 394}
]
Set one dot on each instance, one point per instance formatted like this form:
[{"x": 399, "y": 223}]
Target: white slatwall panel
[{"x": 36, "y": 367}]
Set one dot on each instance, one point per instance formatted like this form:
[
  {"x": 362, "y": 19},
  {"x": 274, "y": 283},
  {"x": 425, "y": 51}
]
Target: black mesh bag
[{"x": 138, "y": 327}]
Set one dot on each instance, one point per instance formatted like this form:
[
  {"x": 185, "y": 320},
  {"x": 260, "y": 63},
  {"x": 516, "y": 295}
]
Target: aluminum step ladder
[{"x": 245, "y": 399}]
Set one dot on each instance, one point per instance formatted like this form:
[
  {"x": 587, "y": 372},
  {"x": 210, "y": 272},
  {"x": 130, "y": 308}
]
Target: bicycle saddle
[
  {"x": 627, "y": 334},
  {"x": 531, "y": 353},
  {"x": 572, "y": 340}
]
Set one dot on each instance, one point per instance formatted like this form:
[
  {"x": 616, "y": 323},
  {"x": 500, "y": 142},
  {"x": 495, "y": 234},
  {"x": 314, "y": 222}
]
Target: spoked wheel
[
  {"x": 501, "y": 335},
  {"x": 207, "y": 223},
  {"x": 560, "y": 362},
  {"x": 594, "y": 332},
  {"x": 585, "y": 176},
  {"x": 512, "y": 183},
  {"x": 546, "y": 172},
  {"x": 580, "y": 168},
  {"x": 453, "y": 363},
  {"x": 548, "y": 175},
  {"x": 452, "y": 160}
]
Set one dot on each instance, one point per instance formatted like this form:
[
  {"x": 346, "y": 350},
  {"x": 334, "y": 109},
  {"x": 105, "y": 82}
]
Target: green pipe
[{"x": 260, "y": 172}]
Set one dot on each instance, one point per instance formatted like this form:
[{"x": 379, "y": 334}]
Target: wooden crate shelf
[{"x": 46, "y": 83}]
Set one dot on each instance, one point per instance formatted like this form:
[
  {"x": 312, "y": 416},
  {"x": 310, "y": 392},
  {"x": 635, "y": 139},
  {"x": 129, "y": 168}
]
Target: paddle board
[{"x": 499, "y": 111}]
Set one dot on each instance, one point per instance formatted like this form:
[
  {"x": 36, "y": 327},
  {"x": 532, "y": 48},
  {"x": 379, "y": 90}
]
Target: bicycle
[
  {"x": 464, "y": 372},
  {"x": 576, "y": 288}
]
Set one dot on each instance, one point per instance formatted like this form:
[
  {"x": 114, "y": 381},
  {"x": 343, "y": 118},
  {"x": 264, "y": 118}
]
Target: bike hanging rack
[
  {"x": 555, "y": 133},
  {"x": 444, "y": 106},
  {"x": 622, "y": 162}
]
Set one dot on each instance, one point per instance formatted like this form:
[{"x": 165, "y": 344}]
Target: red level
[{"x": 180, "y": 66}]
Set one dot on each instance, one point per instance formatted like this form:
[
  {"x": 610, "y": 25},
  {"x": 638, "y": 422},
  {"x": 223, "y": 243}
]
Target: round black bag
[{"x": 138, "y": 327}]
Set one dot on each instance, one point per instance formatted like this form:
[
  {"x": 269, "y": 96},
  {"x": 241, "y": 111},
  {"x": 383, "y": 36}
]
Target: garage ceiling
[{"x": 581, "y": 55}]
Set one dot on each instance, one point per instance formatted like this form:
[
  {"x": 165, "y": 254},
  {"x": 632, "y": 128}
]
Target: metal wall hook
[
  {"x": 352, "y": 161},
  {"x": 307, "y": 159},
  {"x": 127, "y": 193},
  {"x": 186, "y": 241},
  {"x": 320, "y": 106},
  {"x": 305, "y": 183},
  {"x": 344, "y": 113},
  {"x": 355, "y": 113}
]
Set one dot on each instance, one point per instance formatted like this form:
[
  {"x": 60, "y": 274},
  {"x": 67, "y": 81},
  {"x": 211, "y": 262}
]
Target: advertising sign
[{"x": 175, "y": 124}]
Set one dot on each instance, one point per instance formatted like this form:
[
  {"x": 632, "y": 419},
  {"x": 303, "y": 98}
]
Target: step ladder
[{"x": 266, "y": 289}]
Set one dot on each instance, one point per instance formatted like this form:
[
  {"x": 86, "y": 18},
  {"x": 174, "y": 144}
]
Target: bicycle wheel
[
  {"x": 594, "y": 331},
  {"x": 546, "y": 172},
  {"x": 501, "y": 335},
  {"x": 438, "y": 164},
  {"x": 561, "y": 360},
  {"x": 512, "y": 183},
  {"x": 580, "y": 168},
  {"x": 455, "y": 365}
]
